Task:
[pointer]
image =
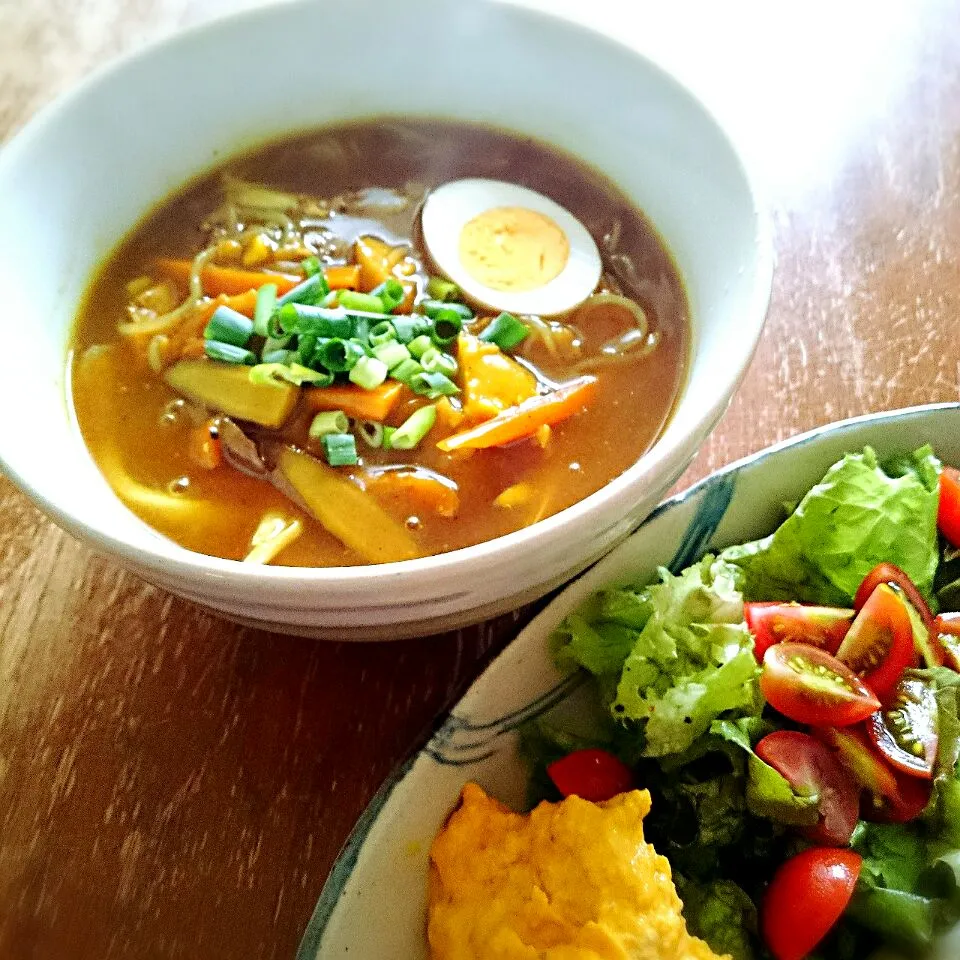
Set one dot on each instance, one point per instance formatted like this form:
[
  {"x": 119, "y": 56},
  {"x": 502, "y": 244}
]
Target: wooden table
[{"x": 174, "y": 786}]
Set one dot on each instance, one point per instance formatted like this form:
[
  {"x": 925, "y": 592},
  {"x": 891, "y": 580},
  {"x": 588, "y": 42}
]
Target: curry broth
[{"x": 123, "y": 423}]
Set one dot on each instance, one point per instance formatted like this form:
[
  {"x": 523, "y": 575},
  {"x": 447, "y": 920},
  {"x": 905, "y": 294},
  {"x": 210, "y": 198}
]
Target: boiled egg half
[{"x": 510, "y": 248}]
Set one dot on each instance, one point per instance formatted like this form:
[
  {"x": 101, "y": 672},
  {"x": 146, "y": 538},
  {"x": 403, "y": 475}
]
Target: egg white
[{"x": 451, "y": 206}]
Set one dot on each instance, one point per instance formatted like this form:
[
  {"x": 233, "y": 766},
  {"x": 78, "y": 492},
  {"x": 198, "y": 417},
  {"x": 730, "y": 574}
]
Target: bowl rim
[
  {"x": 346, "y": 860},
  {"x": 180, "y": 562}
]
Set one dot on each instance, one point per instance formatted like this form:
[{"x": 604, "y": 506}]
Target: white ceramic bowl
[
  {"x": 84, "y": 171},
  {"x": 374, "y": 903}
]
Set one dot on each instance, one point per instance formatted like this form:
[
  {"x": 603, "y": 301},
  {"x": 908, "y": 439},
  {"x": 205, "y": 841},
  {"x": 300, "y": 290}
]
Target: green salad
[{"x": 793, "y": 706}]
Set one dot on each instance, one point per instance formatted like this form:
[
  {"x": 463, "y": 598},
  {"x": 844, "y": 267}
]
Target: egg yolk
[{"x": 513, "y": 249}]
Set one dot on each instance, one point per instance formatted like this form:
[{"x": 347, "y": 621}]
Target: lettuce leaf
[
  {"x": 768, "y": 792},
  {"x": 720, "y": 913},
  {"x": 692, "y": 661},
  {"x": 856, "y": 517},
  {"x": 678, "y": 653}
]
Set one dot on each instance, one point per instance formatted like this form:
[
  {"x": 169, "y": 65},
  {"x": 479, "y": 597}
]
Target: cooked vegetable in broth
[{"x": 376, "y": 342}]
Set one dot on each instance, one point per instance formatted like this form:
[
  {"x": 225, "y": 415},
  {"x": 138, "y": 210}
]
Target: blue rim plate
[{"x": 372, "y": 904}]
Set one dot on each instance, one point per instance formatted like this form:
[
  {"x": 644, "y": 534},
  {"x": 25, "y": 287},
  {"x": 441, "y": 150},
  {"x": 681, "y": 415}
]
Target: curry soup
[{"x": 276, "y": 366}]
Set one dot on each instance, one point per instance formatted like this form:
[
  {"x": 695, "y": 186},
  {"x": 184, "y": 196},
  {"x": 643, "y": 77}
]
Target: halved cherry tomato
[
  {"x": 905, "y": 731},
  {"x": 805, "y": 899},
  {"x": 927, "y": 646},
  {"x": 811, "y": 769},
  {"x": 879, "y": 644},
  {"x": 771, "y": 623},
  {"x": 948, "y": 633},
  {"x": 860, "y": 760},
  {"x": 888, "y": 796},
  {"x": 908, "y": 800},
  {"x": 809, "y": 686},
  {"x": 591, "y": 774},
  {"x": 948, "y": 513}
]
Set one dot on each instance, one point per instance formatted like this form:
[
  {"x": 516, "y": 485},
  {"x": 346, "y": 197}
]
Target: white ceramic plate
[{"x": 373, "y": 904}]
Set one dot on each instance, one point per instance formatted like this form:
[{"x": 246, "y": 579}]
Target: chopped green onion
[
  {"x": 311, "y": 266},
  {"x": 278, "y": 356},
  {"x": 433, "y": 385},
  {"x": 371, "y": 433},
  {"x": 315, "y": 378},
  {"x": 391, "y": 353},
  {"x": 340, "y": 449},
  {"x": 446, "y": 327},
  {"x": 266, "y": 301},
  {"x": 409, "y": 327},
  {"x": 442, "y": 289},
  {"x": 276, "y": 343},
  {"x": 413, "y": 429},
  {"x": 388, "y": 433},
  {"x": 338, "y": 355},
  {"x": 330, "y": 421},
  {"x": 307, "y": 319},
  {"x": 506, "y": 331},
  {"x": 310, "y": 291},
  {"x": 390, "y": 293},
  {"x": 435, "y": 361},
  {"x": 228, "y": 326},
  {"x": 290, "y": 373},
  {"x": 367, "y": 302},
  {"x": 361, "y": 331},
  {"x": 275, "y": 329},
  {"x": 383, "y": 332},
  {"x": 368, "y": 372},
  {"x": 420, "y": 345},
  {"x": 330, "y": 300},
  {"x": 405, "y": 370},
  {"x": 307, "y": 349},
  {"x": 438, "y": 308},
  {"x": 228, "y": 352}
]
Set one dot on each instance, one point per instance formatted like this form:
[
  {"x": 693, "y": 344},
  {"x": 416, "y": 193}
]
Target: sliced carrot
[
  {"x": 526, "y": 418},
  {"x": 244, "y": 303},
  {"x": 193, "y": 328},
  {"x": 228, "y": 280},
  {"x": 354, "y": 401},
  {"x": 346, "y": 277},
  {"x": 203, "y": 446},
  {"x": 409, "y": 296},
  {"x": 419, "y": 489}
]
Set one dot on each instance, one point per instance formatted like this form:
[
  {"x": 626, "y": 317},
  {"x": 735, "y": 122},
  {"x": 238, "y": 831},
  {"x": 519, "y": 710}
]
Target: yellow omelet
[{"x": 569, "y": 881}]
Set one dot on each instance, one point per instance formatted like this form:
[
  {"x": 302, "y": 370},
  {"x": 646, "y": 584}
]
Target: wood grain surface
[{"x": 175, "y": 786}]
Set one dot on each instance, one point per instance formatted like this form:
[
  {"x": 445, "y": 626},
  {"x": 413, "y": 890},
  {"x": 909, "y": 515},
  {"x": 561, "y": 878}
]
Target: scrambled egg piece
[{"x": 569, "y": 881}]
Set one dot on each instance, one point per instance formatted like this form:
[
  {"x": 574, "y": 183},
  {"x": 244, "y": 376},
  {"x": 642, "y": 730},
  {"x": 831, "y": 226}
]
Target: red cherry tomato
[
  {"x": 906, "y": 730},
  {"x": 805, "y": 899},
  {"x": 591, "y": 774},
  {"x": 908, "y": 800},
  {"x": 811, "y": 687},
  {"x": 948, "y": 633},
  {"x": 888, "y": 796},
  {"x": 879, "y": 644},
  {"x": 948, "y": 514},
  {"x": 927, "y": 646},
  {"x": 860, "y": 760},
  {"x": 811, "y": 768},
  {"x": 771, "y": 623}
]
